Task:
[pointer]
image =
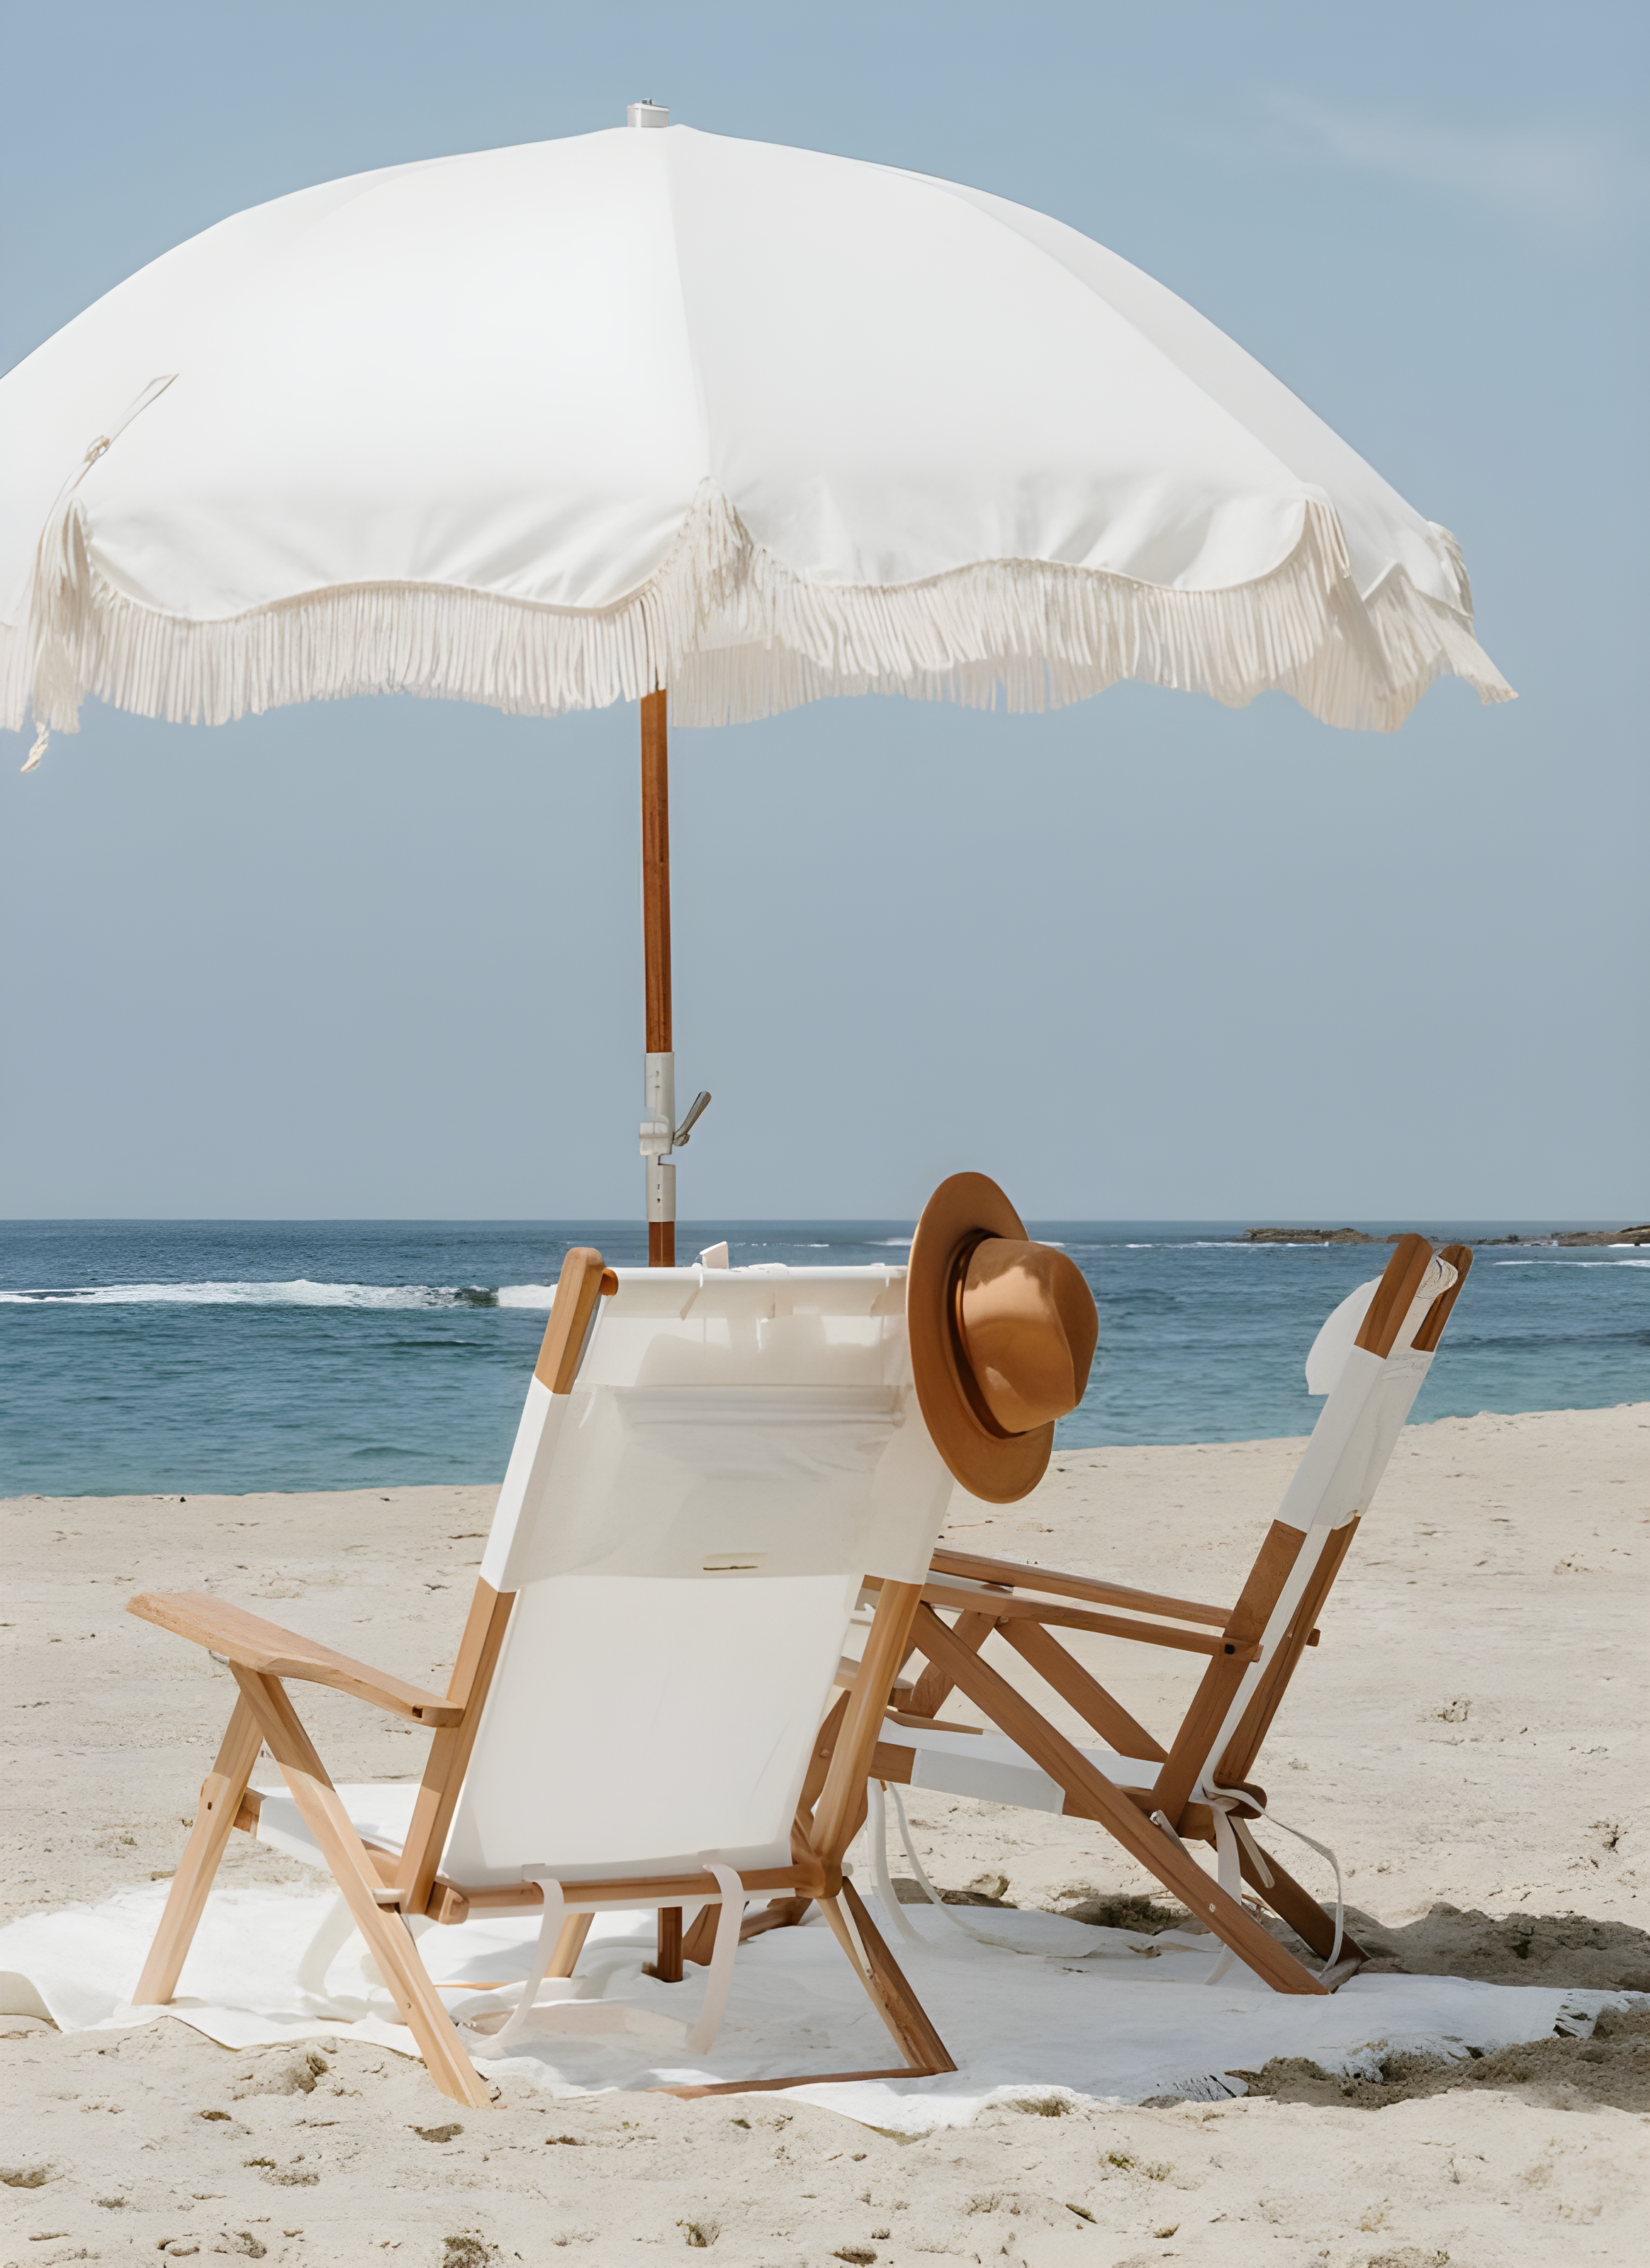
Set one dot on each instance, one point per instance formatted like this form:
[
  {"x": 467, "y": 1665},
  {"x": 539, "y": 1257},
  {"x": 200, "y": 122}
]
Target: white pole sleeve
[{"x": 658, "y": 1130}]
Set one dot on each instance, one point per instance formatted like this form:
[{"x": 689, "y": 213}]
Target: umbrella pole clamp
[
  {"x": 660, "y": 1135},
  {"x": 659, "y": 1138}
]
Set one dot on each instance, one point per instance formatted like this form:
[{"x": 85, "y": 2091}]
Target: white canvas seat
[
  {"x": 709, "y": 1464},
  {"x": 1369, "y": 1360},
  {"x": 995, "y": 1770}
]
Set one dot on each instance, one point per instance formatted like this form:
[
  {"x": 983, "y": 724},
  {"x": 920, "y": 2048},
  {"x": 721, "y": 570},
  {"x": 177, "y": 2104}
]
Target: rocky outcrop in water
[
  {"x": 1311, "y": 1236},
  {"x": 1640, "y": 1234}
]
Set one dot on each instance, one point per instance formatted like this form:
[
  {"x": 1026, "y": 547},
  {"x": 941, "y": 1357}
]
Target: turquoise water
[{"x": 170, "y": 1357}]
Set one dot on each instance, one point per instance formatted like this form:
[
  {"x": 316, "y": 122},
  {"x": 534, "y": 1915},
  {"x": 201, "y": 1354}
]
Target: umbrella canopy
[
  {"x": 555, "y": 426},
  {"x": 561, "y": 425}
]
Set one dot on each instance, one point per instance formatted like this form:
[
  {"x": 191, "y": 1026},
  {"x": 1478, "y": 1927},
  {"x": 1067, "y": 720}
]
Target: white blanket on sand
[{"x": 1072, "y": 2009}]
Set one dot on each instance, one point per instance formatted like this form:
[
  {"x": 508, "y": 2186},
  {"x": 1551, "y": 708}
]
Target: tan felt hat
[{"x": 1002, "y": 1334}]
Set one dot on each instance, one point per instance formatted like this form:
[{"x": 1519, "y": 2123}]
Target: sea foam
[{"x": 300, "y": 1293}]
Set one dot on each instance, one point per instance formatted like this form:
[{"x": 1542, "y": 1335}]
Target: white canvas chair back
[
  {"x": 686, "y": 1532},
  {"x": 1369, "y": 1399}
]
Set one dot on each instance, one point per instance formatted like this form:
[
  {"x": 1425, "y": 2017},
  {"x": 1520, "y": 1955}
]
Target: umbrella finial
[{"x": 647, "y": 112}]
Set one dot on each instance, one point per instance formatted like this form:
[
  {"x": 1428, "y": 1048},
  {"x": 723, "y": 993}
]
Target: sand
[{"x": 1469, "y": 1736}]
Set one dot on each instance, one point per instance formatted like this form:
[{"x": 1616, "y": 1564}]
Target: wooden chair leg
[
  {"x": 885, "y": 1984},
  {"x": 699, "y": 1943},
  {"x": 214, "y": 1822},
  {"x": 666, "y": 1964},
  {"x": 570, "y": 1945},
  {"x": 388, "y": 1940}
]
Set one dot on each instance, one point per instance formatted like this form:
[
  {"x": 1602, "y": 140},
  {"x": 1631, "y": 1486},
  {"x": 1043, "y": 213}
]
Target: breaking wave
[{"x": 301, "y": 1292}]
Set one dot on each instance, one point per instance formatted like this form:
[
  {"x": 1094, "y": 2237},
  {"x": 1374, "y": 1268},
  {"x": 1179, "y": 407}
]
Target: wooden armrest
[
  {"x": 252, "y": 1642},
  {"x": 974, "y": 1565},
  {"x": 967, "y": 1598}
]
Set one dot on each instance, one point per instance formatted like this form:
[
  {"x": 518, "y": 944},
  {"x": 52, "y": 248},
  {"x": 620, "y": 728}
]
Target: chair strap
[
  {"x": 1230, "y": 1807},
  {"x": 717, "y": 1984},
  {"x": 877, "y": 1827},
  {"x": 550, "y": 1930},
  {"x": 885, "y": 1888},
  {"x": 1228, "y": 1820},
  {"x": 719, "y": 1979}
]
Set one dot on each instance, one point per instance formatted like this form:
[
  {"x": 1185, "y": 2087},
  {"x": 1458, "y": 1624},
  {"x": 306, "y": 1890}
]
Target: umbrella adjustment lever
[{"x": 696, "y": 1109}]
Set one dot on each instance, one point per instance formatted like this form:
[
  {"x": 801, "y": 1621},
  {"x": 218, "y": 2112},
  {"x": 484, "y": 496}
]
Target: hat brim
[{"x": 1000, "y": 1467}]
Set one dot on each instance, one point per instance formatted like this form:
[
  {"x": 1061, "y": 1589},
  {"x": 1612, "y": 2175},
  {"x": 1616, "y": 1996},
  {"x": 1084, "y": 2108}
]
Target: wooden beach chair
[
  {"x": 708, "y": 1462},
  {"x": 1370, "y": 1358}
]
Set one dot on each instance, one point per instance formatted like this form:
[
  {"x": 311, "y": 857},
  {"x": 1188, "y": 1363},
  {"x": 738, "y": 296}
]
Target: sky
[{"x": 1145, "y": 958}]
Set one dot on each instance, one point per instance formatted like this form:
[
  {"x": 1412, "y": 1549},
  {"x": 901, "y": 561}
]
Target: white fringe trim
[{"x": 736, "y": 635}]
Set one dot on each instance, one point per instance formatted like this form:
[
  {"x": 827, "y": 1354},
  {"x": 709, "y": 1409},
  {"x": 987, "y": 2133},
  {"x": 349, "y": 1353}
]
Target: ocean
[{"x": 155, "y": 1357}]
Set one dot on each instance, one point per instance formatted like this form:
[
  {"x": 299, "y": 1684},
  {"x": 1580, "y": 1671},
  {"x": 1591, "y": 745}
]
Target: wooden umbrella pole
[{"x": 660, "y": 1094}]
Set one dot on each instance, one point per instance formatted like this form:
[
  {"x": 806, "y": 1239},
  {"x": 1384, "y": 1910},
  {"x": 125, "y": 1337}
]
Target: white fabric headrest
[{"x": 1335, "y": 1342}]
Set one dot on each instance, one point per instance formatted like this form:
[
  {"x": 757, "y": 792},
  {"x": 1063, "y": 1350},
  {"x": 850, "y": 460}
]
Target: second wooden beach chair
[{"x": 1156, "y": 1799}]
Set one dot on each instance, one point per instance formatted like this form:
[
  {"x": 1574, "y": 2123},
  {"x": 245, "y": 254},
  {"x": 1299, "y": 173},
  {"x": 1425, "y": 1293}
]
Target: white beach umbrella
[{"x": 566, "y": 424}]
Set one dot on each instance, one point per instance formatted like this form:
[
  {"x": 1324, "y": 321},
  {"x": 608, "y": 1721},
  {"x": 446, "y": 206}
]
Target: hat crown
[
  {"x": 1002, "y": 1331},
  {"x": 1028, "y": 1327}
]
